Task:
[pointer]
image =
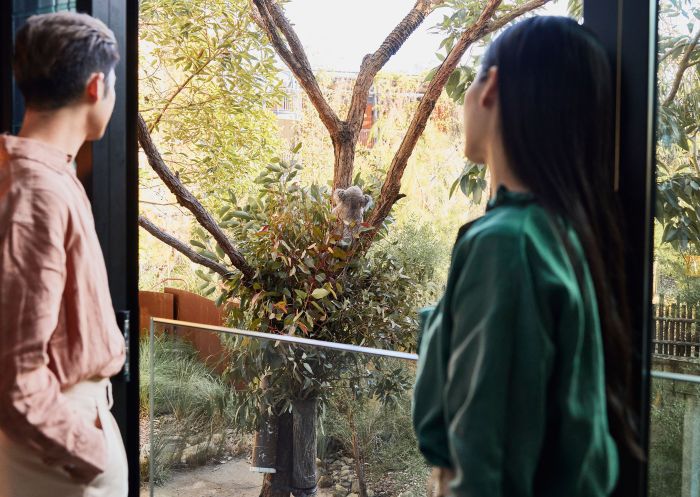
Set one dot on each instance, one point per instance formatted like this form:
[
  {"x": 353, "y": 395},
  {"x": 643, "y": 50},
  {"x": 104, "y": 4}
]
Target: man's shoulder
[{"x": 29, "y": 193}]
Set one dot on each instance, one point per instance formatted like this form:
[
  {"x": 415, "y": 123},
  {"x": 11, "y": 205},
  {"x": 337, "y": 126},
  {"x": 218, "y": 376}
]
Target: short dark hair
[{"x": 55, "y": 55}]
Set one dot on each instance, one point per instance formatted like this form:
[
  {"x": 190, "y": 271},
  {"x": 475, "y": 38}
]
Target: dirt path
[{"x": 231, "y": 479}]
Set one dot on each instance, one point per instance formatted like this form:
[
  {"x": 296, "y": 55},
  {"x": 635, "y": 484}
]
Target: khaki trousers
[{"x": 24, "y": 474}]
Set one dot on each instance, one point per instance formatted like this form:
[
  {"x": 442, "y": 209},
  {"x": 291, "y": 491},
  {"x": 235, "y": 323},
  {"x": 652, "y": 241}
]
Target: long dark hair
[{"x": 556, "y": 104}]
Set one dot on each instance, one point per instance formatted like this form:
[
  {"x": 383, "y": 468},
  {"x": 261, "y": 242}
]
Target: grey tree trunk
[
  {"x": 304, "y": 467},
  {"x": 279, "y": 484}
]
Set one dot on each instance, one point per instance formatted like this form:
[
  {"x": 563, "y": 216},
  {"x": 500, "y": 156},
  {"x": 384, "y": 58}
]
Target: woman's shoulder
[{"x": 511, "y": 232}]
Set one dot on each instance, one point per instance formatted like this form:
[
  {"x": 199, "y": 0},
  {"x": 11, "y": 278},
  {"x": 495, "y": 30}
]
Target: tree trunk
[
  {"x": 265, "y": 446},
  {"x": 344, "y": 148},
  {"x": 278, "y": 484},
  {"x": 304, "y": 465},
  {"x": 358, "y": 454}
]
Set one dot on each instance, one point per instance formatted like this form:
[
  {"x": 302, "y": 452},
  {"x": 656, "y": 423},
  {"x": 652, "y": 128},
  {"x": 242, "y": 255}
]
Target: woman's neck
[{"x": 501, "y": 171}]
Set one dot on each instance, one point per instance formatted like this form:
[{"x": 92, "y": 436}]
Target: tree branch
[
  {"x": 183, "y": 248},
  {"x": 482, "y": 27},
  {"x": 177, "y": 91},
  {"x": 187, "y": 200},
  {"x": 271, "y": 19},
  {"x": 373, "y": 63},
  {"x": 683, "y": 66}
]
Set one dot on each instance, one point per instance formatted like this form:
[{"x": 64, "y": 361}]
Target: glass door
[{"x": 674, "y": 450}]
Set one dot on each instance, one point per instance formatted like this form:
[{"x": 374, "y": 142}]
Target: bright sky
[{"x": 338, "y": 33}]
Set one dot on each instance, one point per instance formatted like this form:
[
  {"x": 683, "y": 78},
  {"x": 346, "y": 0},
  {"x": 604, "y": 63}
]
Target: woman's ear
[{"x": 489, "y": 92}]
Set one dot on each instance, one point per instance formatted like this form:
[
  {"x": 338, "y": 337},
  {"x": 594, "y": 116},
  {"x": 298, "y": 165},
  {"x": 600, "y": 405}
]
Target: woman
[{"x": 521, "y": 387}]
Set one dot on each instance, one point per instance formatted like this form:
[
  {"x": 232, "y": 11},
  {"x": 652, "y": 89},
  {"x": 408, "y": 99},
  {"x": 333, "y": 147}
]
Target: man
[{"x": 59, "y": 341}]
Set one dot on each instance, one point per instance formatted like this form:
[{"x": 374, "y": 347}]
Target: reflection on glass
[
  {"x": 674, "y": 458},
  {"x": 253, "y": 416}
]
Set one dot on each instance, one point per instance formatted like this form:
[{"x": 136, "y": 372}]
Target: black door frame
[
  {"x": 111, "y": 180},
  {"x": 109, "y": 172},
  {"x": 628, "y": 31}
]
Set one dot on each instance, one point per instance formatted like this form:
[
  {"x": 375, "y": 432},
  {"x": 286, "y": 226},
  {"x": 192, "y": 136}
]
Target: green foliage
[
  {"x": 666, "y": 442},
  {"x": 385, "y": 432},
  {"x": 183, "y": 386},
  {"x": 678, "y": 189},
  {"x": 307, "y": 285},
  {"x": 461, "y": 13},
  {"x": 208, "y": 82},
  {"x": 472, "y": 181},
  {"x": 191, "y": 403}
]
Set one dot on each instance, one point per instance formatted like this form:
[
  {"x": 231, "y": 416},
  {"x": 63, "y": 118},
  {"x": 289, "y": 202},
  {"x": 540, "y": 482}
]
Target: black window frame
[{"x": 628, "y": 31}]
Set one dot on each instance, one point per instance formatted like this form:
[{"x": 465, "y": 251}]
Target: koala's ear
[
  {"x": 340, "y": 194},
  {"x": 366, "y": 201}
]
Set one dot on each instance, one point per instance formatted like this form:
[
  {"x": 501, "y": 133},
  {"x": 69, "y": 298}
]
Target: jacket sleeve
[
  {"x": 428, "y": 409},
  {"x": 33, "y": 412},
  {"x": 491, "y": 384}
]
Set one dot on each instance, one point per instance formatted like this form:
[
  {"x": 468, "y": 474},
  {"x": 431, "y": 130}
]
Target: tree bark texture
[
  {"x": 187, "y": 200},
  {"x": 265, "y": 446},
  {"x": 483, "y": 26},
  {"x": 183, "y": 248},
  {"x": 358, "y": 454},
  {"x": 304, "y": 466},
  {"x": 279, "y": 484}
]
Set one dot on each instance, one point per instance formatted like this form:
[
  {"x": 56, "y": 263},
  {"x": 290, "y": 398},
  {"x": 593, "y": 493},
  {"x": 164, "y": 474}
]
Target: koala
[{"x": 350, "y": 206}]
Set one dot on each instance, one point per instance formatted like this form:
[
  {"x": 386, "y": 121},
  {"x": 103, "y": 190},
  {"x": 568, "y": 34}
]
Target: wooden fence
[{"x": 676, "y": 330}]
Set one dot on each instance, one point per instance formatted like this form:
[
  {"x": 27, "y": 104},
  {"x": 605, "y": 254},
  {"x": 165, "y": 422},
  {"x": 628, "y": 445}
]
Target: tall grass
[{"x": 190, "y": 402}]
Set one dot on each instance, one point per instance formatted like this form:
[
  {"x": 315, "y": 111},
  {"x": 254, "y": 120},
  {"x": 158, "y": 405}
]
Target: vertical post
[
  {"x": 628, "y": 32},
  {"x": 108, "y": 169},
  {"x": 6, "y": 43}
]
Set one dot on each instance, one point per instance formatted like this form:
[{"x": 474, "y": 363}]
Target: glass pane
[
  {"x": 674, "y": 450},
  {"x": 674, "y": 464},
  {"x": 230, "y": 411}
]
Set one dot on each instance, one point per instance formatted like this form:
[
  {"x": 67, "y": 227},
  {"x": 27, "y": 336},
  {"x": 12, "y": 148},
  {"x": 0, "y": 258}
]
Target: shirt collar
[
  {"x": 27, "y": 148},
  {"x": 504, "y": 196}
]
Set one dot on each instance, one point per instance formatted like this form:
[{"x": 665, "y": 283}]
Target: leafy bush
[
  {"x": 183, "y": 386},
  {"x": 306, "y": 284}
]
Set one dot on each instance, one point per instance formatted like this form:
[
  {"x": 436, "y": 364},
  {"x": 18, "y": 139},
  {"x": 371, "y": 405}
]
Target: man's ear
[
  {"x": 95, "y": 88},
  {"x": 489, "y": 92}
]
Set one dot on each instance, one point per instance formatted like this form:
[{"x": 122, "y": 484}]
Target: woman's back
[{"x": 511, "y": 370}]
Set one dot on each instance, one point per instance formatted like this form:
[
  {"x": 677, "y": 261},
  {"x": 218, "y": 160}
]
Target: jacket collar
[{"x": 504, "y": 196}]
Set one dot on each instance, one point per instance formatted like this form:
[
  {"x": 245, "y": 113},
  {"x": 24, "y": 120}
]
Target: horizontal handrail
[
  {"x": 687, "y": 378},
  {"x": 344, "y": 347}
]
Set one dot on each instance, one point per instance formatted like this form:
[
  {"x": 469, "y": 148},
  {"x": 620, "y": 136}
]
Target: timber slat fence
[{"x": 676, "y": 330}]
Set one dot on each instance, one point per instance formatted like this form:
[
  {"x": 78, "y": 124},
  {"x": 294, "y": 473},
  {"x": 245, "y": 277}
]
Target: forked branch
[
  {"x": 186, "y": 199},
  {"x": 482, "y": 27},
  {"x": 271, "y": 19}
]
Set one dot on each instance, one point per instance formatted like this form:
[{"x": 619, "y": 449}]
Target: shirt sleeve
[
  {"x": 428, "y": 409},
  {"x": 497, "y": 373},
  {"x": 33, "y": 412}
]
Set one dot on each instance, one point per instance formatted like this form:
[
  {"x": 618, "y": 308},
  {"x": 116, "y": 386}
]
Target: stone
[
  {"x": 339, "y": 491},
  {"x": 407, "y": 493},
  {"x": 355, "y": 488},
  {"x": 345, "y": 468},
  {"x": 319, "y": 462},
  {"x": 195, "y": 455},
  {"x": 370, "y": 493},
  {"x": 353, "y": 495},
  {"x": 345, "y": 472},
  {"x": 325, "y": 482}
]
